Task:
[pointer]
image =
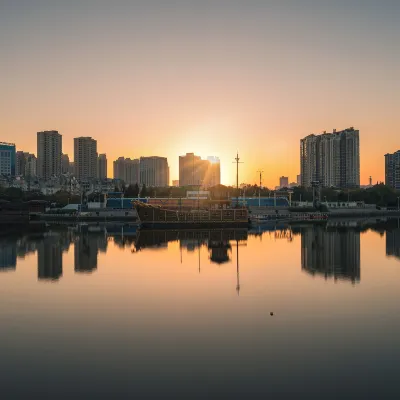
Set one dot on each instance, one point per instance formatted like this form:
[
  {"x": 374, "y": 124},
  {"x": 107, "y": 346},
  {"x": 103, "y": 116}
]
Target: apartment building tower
[
  {"x": 85, "y": 158},
  {"x": 154, "y": 171},
  {"x": 193, "y": 171},
  {"x": 392, "y": 170},
  {"x": 64, "y": 164},
  {"x": 49, "y": 150},
  {"x": 332, "y": 159},
  {"x": 102, "y": 166}
]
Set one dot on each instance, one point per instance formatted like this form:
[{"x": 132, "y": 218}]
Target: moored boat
[{"x": 155, "y": 216}]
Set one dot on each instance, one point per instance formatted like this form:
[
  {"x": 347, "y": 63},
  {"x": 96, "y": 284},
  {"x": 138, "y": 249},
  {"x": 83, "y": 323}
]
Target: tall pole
[
  {"x": 237, "y": 159},
  {"x": 259, "y": 189}
]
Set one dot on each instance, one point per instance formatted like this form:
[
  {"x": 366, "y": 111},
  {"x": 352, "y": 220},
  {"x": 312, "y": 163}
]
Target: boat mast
[
  {"x": 237, "y": 159},
  {"x": 259, "y": 189}
]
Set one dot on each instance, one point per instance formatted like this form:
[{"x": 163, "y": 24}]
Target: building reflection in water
[
  {"x": 85, "y": 253},
  {"x": 218, "y": 243},
  {"x": 50, "y": 258},
  {"x": 8, "y": 255},
  {"x": 393, "y": 240},
  {"x": 331, "y": 253}
]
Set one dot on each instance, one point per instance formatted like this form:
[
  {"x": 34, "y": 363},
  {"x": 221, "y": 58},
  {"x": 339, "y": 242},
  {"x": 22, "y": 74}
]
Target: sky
[{"x": 167, "y": 77}]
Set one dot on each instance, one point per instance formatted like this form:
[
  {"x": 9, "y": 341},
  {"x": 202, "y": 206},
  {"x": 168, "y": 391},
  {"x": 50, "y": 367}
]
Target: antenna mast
[
  {"x": 237, "y": 159},
  {"x": 259, "y": 189}
]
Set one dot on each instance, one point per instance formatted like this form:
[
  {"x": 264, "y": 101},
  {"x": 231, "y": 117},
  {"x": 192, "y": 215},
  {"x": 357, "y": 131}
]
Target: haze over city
[{"x": 211, "y": 77}]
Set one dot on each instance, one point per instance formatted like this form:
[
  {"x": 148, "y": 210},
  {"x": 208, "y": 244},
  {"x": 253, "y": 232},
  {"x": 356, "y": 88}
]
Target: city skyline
[
  {"x": 204, "y": 77},
  {"x": 332, "y": 159}
]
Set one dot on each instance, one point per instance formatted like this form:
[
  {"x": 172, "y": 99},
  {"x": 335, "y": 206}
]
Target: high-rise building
[
  {"x": 284, "y": 182},
  {"x": 332, "y": 159},
  {"x": 119, "y": 168},
  {"x": 49, "y": 150},
  {"x": 193, "y": 171},
  {"x": 298, "y": 180},
  {"x": 132, "y": 171},
  {"x": 20, "y": 157},
  {"x": 64, "y": 164},
  {"x": 85, "y": 158},
  {"x": 127, "y": 170},
  {"x": 154, "y": 171},
  {"x": 188, "y": 175},
  {"x": 30, "y": 165},
  {"x": 102, "y": 166},
  {"x": 7, "y": 159},
  {"x": 71, "y": 168},
  {"x": 392, "y": 170},
  {"x": 25, "y": 164},
  {"x": 213, "y": 175}
]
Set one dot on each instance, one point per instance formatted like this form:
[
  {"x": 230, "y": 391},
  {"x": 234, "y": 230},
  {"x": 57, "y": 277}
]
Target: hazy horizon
[{"x": 211, "y": 77}]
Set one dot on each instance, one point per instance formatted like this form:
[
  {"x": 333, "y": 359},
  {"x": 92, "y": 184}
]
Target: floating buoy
[{"x": 271, "y": 313}]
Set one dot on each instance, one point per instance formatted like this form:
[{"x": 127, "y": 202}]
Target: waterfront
[{"x": 108, "y": 312}]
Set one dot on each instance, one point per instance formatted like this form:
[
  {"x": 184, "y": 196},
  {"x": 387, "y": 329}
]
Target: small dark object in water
[{"x": 271, "y": 313}]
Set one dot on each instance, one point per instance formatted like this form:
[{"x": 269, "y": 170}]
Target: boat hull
[
  {"x": 157, "y": 217},
  {"x": 192, "y": 225}
]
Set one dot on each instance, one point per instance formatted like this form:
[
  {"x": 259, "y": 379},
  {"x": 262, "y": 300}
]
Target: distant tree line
[{"x": 380, "y": 194}]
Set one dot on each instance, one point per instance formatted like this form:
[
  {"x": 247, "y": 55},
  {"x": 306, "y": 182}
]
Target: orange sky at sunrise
[{"x": 210, "y": 77}]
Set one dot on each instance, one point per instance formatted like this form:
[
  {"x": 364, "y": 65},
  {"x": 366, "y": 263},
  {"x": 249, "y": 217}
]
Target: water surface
[{"x": 104, "y": 312}]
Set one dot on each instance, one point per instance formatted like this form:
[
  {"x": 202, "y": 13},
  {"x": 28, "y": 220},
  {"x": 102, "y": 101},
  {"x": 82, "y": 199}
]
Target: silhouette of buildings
[
  {"x": 193, "y": 171},
  {"x": 64, "y": 164},
  {"x": 127, "y": 170},
  {"x": 102, "y": 166},
  {"x": 154, "y": 171},
  {"x": 85, "y": 158},
  {"x": 333, "y": 254},
  {"x": 7, "y": 159},
  {"x": 49, "y": 150},
  {"x": 284, "y": 182},
  {"x": 392, "y": 170},
  {"x": 25, "y": 164},
  {"x": 333, "y": 159}
]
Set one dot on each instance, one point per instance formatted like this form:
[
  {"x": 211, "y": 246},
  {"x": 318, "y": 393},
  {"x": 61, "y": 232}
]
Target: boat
[{"x": 150, "y": 216}]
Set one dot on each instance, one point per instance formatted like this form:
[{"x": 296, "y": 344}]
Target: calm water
[{"x": 94, "y": 312}]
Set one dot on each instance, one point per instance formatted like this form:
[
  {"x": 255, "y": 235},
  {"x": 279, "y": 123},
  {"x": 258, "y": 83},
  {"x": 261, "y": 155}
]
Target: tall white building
[
  {"x": 332, "y": 159},
  {"x": 154, "y": 171},
  {"x": 85, "y": 158},
  {"x": 49, "y": 150}
]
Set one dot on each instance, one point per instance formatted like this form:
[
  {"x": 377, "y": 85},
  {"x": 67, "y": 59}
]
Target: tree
[
  {"x": 136, "y": 190},
  {"x": 130, "y": 191},
  {"x": 13, "y": 194},
  {"x": 144, "y": 192}
]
